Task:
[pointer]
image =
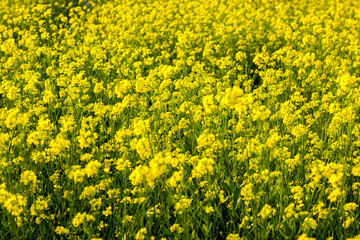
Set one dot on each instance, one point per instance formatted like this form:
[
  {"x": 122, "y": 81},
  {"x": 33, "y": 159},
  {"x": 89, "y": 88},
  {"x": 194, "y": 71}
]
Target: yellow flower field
[{"x": 179, "y": 119}]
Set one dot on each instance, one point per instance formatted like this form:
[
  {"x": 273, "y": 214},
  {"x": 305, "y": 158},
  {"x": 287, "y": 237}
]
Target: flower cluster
[{"x": 191, "y": 119}]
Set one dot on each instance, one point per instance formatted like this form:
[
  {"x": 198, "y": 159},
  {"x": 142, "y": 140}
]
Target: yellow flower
[
  {"x": 299, "y": 130},
  {"x": 15, "y": 204},
  {"x": 350, "y": 206},
  {"x": 347, "y": 223},
  {"x": 304, "y": 237},
  {"x": 142, "y": 85},
  {"x": 108, "y": 211},
  {"x": 266, "y": 211},
  {"x": 39, "y": 206},
  {"x": 141, "y": 234},
  {"x": 61, "y": 230},
  {"x": 81, "y": 218},
  {"x": 233, "y": 236},
  {"x": 356, "y": 170},
  {"x": 289, "y": 211},
  {"x": 205, "y": 139},
  {"x": 208, "y": 103},
  {"x": 247, "y": 192},
  {"x": 140, "y": 127},
  {"x": 335, "y": 194},
  {"x": 127, "y": 219},
  {"x": 232, "y": 97},
  {"x": 98, "y": 87},
  {"x": 76, "y": 173},
  {"x": 357, "y": 237},
  {"x": 15, "y": 118},
  {"x": 122, "y": 164},
  {"x": 92, "y": 168},
  {"x": 209, "y": 209},
  {"x": 347, "y": 82},
  {"x": 175, "y": 178},
  {"x": 139, "y": 175},
  {"x": 261, "y": 113},
  {"x": 154, "y": 211},
  {"x": 95, "y": 204},
  {"x": 176, "y": 228},
  {"x": 86, "y": 138},
  {"x": 297, "y": 193},
  {"x": 28, "y": 177},
  {"x": 182, "y": 205},
  {"x": 273, "y": 138},
  {"x": 143, "y": 148},
  {"x": 67, "y": 123},
  {"x": 58, "y": 144},
  {"x": 204, "y": 166},
  {"x": 320, "y": 210},
  {"x": 309, "y": 223}
]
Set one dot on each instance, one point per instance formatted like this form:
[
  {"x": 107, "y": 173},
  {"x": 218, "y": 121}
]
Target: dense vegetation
[{"x": 179, "y": 119}]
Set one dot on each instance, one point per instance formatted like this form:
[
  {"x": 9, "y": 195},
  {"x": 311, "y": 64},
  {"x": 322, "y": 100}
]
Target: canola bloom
[{"x": 179, "y": 119}]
